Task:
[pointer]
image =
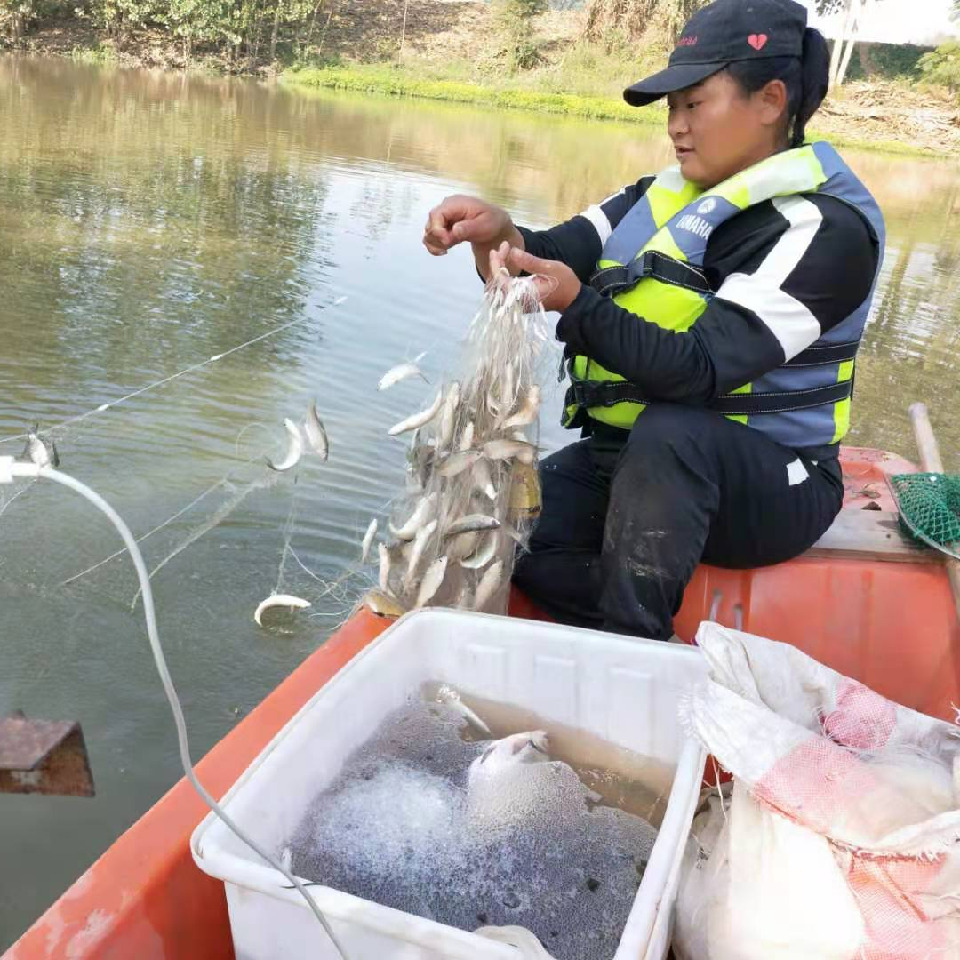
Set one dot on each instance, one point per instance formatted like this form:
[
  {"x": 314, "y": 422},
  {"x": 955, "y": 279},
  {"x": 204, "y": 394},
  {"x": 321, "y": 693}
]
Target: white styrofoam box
[{"x": 622, "y": 689}]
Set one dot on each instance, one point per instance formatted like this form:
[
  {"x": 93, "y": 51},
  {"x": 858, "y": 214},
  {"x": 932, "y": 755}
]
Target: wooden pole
[{"x": 930, "y": 462}]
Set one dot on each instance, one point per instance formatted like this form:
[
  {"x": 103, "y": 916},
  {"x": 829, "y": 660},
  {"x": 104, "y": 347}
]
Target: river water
[{"x": 149, "y": 221}]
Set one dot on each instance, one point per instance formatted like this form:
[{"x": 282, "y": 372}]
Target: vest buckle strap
[
  {"x": 601, "y": 393},
  {"x": 610, "y": 281},
  {"x": 822, "y": 355}
]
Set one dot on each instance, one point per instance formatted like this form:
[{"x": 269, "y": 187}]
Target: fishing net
[
  {"x": 472, "y": 488},
  {"x": 929, "y": 506}
]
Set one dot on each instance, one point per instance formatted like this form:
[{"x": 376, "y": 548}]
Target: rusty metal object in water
[{"x": 43, "y": 756}]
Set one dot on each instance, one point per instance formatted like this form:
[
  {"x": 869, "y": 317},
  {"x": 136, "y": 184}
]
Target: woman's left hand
[{"x": 557, "y": 284}]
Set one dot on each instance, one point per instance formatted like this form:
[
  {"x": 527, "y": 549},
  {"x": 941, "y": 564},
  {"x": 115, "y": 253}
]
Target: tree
[
  {"x": 514, "y": 24},
  {"x": 852, "y": 16}
]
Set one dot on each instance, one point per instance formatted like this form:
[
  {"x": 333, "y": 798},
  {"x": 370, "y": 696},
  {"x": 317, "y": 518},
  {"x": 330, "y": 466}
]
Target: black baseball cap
[{"x": 722, "y": 32}]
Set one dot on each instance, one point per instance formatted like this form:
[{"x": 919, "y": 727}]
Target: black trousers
[{"x": 627, "y": 516}]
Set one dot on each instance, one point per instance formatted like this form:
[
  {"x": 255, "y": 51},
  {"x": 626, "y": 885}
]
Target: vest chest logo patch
[
  {"x": 707, "y": 206},
  {"x": 695, "y": 225}
]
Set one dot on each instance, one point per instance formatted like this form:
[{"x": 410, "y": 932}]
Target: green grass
[{"x": 400, "y": 83}]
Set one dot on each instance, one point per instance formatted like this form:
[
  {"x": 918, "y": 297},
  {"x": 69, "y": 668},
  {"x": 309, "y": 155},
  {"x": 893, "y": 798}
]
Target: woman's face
[{"x": 717, "y": 130}]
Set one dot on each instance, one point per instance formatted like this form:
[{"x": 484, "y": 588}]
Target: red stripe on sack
[
  {"x": 862, "y": 719},
  {"x": 814, "y": 782},
  {"x": 896, "y": 925}
]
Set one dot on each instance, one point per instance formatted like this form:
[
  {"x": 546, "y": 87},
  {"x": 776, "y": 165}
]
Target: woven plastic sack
[{"x": 842, "y": 837}]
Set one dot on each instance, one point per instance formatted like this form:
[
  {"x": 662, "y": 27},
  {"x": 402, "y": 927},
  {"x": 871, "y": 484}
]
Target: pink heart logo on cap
[{"x": 757, "y": 40}]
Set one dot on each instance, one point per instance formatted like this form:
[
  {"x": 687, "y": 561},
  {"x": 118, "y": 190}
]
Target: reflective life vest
[{"x": 652, "y": 266}]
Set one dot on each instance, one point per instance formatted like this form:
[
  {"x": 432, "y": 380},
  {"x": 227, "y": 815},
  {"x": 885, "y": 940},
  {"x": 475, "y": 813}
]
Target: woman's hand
[
  {"x": 557, "y": 284},
  {"x": 460, "y": 218}
]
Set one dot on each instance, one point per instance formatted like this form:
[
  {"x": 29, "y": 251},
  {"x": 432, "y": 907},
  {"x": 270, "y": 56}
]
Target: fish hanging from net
[{"x": 472, "y": 487}]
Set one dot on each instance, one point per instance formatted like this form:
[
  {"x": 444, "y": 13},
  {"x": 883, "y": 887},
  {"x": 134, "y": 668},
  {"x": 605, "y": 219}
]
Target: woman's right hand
[{"x": 457, "y": 219}]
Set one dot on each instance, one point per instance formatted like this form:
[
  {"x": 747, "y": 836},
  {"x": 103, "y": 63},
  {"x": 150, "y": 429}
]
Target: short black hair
[{"x": 806, "y": 80}]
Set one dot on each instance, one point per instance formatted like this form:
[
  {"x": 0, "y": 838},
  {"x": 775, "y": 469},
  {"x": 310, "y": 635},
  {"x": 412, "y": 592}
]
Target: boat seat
[{"x": 866, "y": 534}]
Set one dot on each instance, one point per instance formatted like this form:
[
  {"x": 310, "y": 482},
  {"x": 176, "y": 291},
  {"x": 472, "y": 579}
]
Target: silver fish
[
  {"x": 446, "y": 694},
  {"x": 507, "y": 387},
  {"x": 294, "y": 448},
  {"x": 483, "y": 479},
  {"x": 510, "y": 450},
  {"x": 368, "y": 540},
  {"x": 483, "y": 555},
  {"x": 416, "y": 552},
  {"x": 488, "y": 585},
  {"x": 431, "y": 581},
  {"x": 466, "y": 439},
  {"x": 472, "y": 523},
  {"x": 508, "y": 753},
  {"x": 424, "y": 510},
  {"x": 279, "y": 600},
  {"x": 454, "y": 464},
  {"x": 462, "y": 546},
  {"x": 445, "y": 434},
  {"x": 40, "y": 453},
  {"x": 528, "y": 411},
  {"x": 316, "y": 433},
  {"x": 384, "y": 567},
  {"x": 402, "y": 371},
  {"x": 418, "y": 419}
]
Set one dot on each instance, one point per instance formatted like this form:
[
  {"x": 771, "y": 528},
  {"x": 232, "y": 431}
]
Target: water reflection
[{"x": 149, "y": 221}]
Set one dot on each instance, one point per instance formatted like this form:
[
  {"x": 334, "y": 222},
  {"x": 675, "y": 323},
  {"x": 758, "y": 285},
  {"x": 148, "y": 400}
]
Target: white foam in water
[{"x": 401, "y": 828}]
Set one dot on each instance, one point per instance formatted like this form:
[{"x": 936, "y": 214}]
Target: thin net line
[{"x": 104, "y": 407}]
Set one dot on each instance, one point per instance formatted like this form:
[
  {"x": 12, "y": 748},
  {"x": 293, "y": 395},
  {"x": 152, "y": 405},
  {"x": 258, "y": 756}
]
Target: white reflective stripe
[
  {"x": 671, "y": 179},
  {"x": 600, "y": 222},
  {"x": 789, "y": 320},
  {"x": 796, "y": 473}
]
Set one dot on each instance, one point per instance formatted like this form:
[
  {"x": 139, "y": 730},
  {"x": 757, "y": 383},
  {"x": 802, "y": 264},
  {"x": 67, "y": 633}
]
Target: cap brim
[{"x": 678, "y": 77}]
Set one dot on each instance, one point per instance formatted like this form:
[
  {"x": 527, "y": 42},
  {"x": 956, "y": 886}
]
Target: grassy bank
[
  {"x": 397, "y": 82},
  {"x": 425, "y": 84}
]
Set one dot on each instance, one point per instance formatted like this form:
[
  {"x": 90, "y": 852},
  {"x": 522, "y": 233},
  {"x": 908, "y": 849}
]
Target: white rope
[
  {"x": 149, "y": 612},
  {"x": 110, "y": 404}
]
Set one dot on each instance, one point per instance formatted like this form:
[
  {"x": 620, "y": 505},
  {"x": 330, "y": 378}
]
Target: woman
[{"x": 711, "y": 316}]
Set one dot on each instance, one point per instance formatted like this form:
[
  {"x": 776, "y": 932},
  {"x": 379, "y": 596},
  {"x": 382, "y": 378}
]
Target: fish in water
[
  {"x": 402, "y": 371},
  {"x": 472, "y": 523},
  {"x": 507, "y": 755},
  {"x": 528, "y": 410},
  {"x": 294, "y": 448},
  {"x": 421, "y": 515},
  {"x": 316, "y": 433},
  {"x": 38, "y": 452},
  {"x": 431, "y": 581},
  {"x": 420, "y": 419},
  {"x": 368, "y": 540},
  {"x": 488, "y": 585},
  {"x": 509, "y": 450},
  {"x": 279, "y": 600},
  {"x": 447, "y": 695}
]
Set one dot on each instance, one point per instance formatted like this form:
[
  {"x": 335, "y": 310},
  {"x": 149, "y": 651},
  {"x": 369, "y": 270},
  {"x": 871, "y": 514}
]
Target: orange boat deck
[{"x": 891, "y": 625}]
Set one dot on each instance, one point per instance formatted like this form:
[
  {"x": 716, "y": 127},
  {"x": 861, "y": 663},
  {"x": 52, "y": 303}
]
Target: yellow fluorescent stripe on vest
[
  {"x": 741, "y": 417},
  {"x": 841, "y": 410}
]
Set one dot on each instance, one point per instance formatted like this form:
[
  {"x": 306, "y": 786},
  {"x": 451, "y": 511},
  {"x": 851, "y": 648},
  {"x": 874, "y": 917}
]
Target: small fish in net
[{"x": 472, "y": 491}]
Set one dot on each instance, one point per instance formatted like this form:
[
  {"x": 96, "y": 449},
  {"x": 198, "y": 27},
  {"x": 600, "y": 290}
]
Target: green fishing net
[{"x": 930, "y": 508}]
